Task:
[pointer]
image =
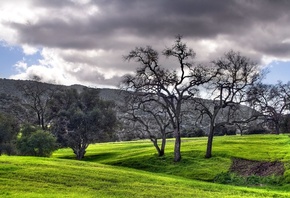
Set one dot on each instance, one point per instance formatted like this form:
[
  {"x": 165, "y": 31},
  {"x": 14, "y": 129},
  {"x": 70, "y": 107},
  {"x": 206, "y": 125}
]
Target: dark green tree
[
  {"x": 9, "y": 129},
  {"x": 37, "y": 143},
  {"x": 82, "y": 119}
]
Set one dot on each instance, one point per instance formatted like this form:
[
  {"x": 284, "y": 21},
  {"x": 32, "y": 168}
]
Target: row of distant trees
[
  {"x": 47, "y": 117},
  {"x": 164, "y": 94}
]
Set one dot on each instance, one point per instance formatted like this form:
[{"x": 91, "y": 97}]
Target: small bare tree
[
  {"x": 272, "y": 101},
  {"x": 36, "y": 98},
  {"x": 147, "y": 120}
]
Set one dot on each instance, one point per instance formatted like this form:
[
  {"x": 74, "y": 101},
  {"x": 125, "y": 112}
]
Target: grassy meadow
[{"x": 132, "y": 169}]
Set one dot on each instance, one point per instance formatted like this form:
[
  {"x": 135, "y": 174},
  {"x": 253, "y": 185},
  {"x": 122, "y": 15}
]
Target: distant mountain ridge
[{"x": 10, "y": 87}]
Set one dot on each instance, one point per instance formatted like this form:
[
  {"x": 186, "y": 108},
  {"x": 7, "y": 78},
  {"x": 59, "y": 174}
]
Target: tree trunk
[
  {"x": 177, "y": 154},
  {"x": 241, "y": 130},
  {"x": 155, "y": 143},
  {"x": 42, "y": 122},
  {"x": 163, "y": 143},
  {"x": 161, "y": 149},
  {"x": 80, "y": 153},
  {"x": 277, "y": 128},
  {"x": 209, "y": 142},
  {"x": 39, "y": 119}
]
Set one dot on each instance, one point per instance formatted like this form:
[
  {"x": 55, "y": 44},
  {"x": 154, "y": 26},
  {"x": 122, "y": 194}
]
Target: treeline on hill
[
  {"x": 157, "y": 103},
  {"x": 43, "y": 117}
]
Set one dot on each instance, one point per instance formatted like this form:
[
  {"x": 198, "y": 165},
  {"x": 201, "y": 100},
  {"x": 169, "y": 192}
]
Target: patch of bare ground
[{"x": 247, "y": 168}]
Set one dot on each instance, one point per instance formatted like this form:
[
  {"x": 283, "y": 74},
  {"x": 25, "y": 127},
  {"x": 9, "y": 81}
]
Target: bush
[
  {"x": 231, "y": 131},
  {"x": 195, "y": 132},
  {"x": 257, "y": 130},
  {"x": 39, "y": 143},
  {"x": 28, "y": 129},
  {"x": 220, "y": 130},
  {"x": 8, "y": 148},
  {"x": 9, "y": 129},
  {"x": 225, "y": 130}
]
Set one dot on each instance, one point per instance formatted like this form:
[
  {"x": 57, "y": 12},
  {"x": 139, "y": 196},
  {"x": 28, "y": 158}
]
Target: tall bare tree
[
  {"x": 167, "y": 87},
  {"x": 228, "y": 89}
]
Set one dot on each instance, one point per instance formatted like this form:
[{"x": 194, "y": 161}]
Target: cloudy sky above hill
[{"x": 83, "y": 41}]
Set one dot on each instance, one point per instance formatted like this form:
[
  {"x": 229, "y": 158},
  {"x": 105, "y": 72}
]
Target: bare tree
[
  {"x": 147, "y": 120},
  {"x": 36, "y": 97},
  {"x": 228, "y": 89},
  {"x": 272, "y": 101},
  {"x": 168, "y": 88}
]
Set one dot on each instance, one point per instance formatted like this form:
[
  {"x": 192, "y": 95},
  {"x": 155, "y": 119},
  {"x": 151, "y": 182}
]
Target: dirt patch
[{"x": 259, "y": 168}]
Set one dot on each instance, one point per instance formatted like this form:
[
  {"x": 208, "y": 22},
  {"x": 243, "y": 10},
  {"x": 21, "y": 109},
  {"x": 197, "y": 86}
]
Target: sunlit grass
[
  {"x": 40, "y": 177},
  {"x": 132, "y": 169},
  {"x": 142, "y": 155}
]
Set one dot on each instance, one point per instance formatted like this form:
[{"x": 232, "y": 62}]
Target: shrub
[
  {"x": 28, "y": 129},
  {"x": 231, "y": 131},
  {"x": 257, "y": 130},
  {"x": 9, "y": 129},
  {"x": 39, "y": 143},
  {"x": 194, "y": 132}
]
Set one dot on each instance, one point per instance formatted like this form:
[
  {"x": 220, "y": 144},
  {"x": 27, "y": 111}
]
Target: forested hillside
[{"x": 13, "y": 88}]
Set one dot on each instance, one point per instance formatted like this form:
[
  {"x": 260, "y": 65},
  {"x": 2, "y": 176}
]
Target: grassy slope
[
  {"x": 54, "y": 177},
  {"x": 141, "y": 154},
  {"x": 39, "y": 177}
]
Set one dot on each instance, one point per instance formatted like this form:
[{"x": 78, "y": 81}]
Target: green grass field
[{"x": 132, "y": 169}]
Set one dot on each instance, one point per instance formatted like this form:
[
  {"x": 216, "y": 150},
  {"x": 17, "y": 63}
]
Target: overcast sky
[{"x": 83, "y": 41}]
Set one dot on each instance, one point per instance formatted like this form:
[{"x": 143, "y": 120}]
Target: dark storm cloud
[
  {"x": 276, "y": 49},
  {"x": 155, "y": 19},
  {"x": 253, "y": 27},
  {"x": 53, "y": 3}
]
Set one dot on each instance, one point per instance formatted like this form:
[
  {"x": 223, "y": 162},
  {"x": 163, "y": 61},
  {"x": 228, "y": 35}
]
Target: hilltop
[{"x": 11, "y": 87}]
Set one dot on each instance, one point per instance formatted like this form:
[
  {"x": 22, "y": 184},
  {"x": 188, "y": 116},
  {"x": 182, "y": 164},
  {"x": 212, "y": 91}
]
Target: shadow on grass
[
  {"x": 192, "y": 166},
  {"x": 99, "y": 157},
  {"x": 92, "y": 157}
]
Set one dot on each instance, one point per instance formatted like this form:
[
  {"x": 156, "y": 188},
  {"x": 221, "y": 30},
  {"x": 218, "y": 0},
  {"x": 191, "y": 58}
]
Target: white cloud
[
  {"x": 21, "y": 66},
  {"x": 29, "y": 50},
  {"x": 270, "y": 60},
  {"x": 54, "y": 68}
]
